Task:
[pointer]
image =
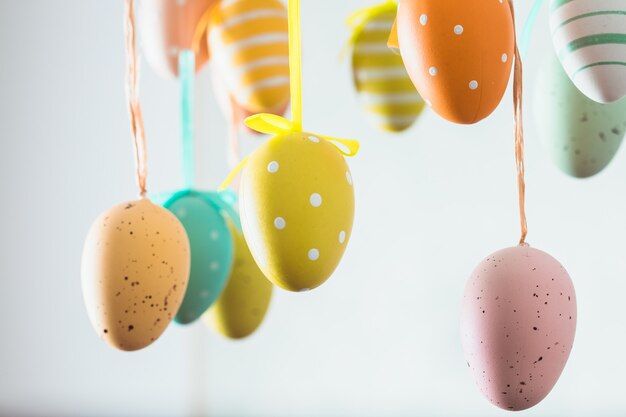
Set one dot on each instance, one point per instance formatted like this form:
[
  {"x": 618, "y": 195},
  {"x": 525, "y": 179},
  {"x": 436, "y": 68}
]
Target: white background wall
[{"x": 381, "y": 338}]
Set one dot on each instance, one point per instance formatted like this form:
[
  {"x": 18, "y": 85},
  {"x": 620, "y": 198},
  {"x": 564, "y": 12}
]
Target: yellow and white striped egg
[
  {"x": 297, "y": 209},
  {"x": 248, "y": 40},
  {"x": 383, "y": 84}
]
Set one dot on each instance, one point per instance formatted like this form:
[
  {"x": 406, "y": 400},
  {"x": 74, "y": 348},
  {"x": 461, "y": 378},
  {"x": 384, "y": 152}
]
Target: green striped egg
[
  {"x": 590, "y": 39},
  {"x": 384, "y": 86}
]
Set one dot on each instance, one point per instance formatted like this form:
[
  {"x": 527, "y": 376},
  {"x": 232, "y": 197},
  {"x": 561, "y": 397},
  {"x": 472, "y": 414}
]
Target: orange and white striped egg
[
  {"x": 383, "y": 84},
  {"x": 249, "y": 44}
]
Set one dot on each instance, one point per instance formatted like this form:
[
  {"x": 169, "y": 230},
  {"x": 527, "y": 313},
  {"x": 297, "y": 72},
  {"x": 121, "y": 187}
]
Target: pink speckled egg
[{"x": 518, "y": 322}]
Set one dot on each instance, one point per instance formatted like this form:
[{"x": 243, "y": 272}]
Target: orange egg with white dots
[{"x": 458, "y": 53}]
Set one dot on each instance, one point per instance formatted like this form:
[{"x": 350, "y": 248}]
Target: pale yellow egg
[{"x": 241, "y": 308}]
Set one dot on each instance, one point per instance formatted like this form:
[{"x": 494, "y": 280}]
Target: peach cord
[
  {"x": 132, "y": 92},
  {"x": 519, "y": 134}
]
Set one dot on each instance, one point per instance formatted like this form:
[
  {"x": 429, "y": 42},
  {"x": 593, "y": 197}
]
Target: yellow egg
[
  {"x": 135, "y": 268},
  {"x": 297, "y": 208},
  {"x": 242, "y": 306}
]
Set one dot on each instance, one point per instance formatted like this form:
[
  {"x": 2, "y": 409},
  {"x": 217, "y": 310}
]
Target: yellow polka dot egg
[{"x": 297, "y": 209}]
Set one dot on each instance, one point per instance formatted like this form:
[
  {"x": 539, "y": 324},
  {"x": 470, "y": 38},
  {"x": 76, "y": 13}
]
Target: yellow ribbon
[
  {"x": 272, "y": 124},
  {"x": 277, "y": 125},
  {"x": 359, "y": 19}
]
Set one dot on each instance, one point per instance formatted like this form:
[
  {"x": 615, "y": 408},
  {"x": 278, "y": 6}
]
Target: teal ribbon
[
  {"x": 186, "y": 74},
  {"x": 529, "y": 26}
]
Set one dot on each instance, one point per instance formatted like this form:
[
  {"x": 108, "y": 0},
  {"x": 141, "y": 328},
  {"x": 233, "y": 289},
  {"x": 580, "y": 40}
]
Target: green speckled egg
[{"x": 580, "y": 135}]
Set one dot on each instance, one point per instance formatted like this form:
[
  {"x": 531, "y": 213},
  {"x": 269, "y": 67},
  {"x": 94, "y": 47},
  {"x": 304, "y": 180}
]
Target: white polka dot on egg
[
  {"x": 433, "y": 71},
  {"x": 314, "y": 139},
  {"x": 458, "y": 30},
  {"x": 342, "y": 236},
  {"x": 314, "y": 254},
  {"x": 181, "y": 213},
  {"x": 349, "y": 177},
  {"x": 505, "y": 57},
  {"x": 214, "y": 235},
  {"x": 423, "y": 19},
  {"x": 273, "y": 167},
  {"x": 315, "y": 200},
  {"x": 473, "y": 85},
  {"x": 280, "y": 223},
  {"x": 214, "y": 266}
]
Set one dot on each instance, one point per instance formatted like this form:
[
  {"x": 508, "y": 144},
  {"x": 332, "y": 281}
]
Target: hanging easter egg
[
  {"x": 135, "y": 269},
  {"x": 248, "y": 41},
  {"x": 297, "y": 208},
  {"x": 167, "y": 27},
  {"x": 233, "y": 111},
  {"x": 581, "y": 135},
  {"x": 458, "y": 54},
  {"x": 383, "y": 84},
  {"x": 211, "y": 251},
  {"x": 518, "y": 322},
  {"x": 589, "y": 37},
  {"x": 241, "y": 308}
]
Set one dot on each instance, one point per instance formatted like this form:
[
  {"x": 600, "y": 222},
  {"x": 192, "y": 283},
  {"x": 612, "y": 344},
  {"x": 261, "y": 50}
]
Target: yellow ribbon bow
[
  {"x": 272, "y": 124},
  {"x": 359, "y": 19}
]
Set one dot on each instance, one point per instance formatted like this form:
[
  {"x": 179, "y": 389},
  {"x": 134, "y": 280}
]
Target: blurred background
[{"x": 380, "y": 338}]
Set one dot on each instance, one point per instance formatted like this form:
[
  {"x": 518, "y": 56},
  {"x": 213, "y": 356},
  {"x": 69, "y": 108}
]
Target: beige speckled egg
[{"x": 135, "y": 268}]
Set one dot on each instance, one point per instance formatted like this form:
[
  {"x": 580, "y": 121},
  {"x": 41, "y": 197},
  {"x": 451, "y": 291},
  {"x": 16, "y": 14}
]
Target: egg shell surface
[
  {"x": 518, "y": 321},
  {"x": 135, "y": 269},
  {"x": 211, "y": 251},
  {"x": 249, "y": 46},
  {"x": 580, "y": 135},
  {"x": 589, "y": 37},
  {"x": 458, "y": 54},
  {"x": 167, "y": 27},
  {"x": 297, "y": 209},
  {"x": 241, "y": 308},
  {"x": 384, "y": 86}
]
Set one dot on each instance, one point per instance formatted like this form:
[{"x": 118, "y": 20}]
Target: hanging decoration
[
  {"x": 248, "y": 42},
  {"x": 241, "y": 308},
  {"x": 458, "y": 54},
  {"x": 589, "y": 37},
  {"x": 580, "y": 135},
  {"x": 135, "y": 263},
  {"x": 167, "y": 28},
  {"x": 529, "y": 26},
  {"x": 201, "y": 214},
  {"x": 296, "y": 195},
  {"x": 518, "y": 316},
  {"x": 384, "y": 86}
]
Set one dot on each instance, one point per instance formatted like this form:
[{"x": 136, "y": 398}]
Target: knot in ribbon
[{"x": 272, "y": 124}]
